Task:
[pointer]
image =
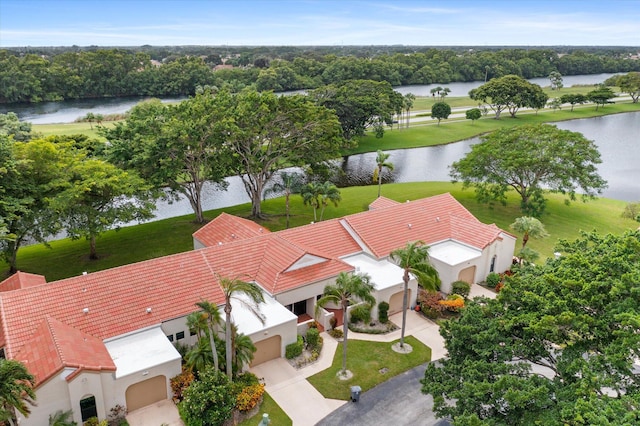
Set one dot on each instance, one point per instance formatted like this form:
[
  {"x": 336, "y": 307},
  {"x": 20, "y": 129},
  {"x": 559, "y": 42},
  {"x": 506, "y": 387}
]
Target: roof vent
[
  {"x": 219, "y": 243},
  {"x": 149, "y": 310},
  {"x": 437, "y": 218},
  {"x": 84, "y": 273},
  {"x": 85, "y": 310},
  {"x": 409, "y": 226},
  {"x": 260, "y": 230},
  {"x": 233, "y": 236}
]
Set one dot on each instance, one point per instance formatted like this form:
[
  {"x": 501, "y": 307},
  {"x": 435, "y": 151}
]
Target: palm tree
[
  {"x": 414, "y": 259},
  {"x": 348, "y": 289},
  {"x": 242, "y": 350},
  {"x": 200, "y": 356},
  {"x": 62, "y": 418},
  {"x": 231, "y": 288},
  {"x": 407, "y": 103},
  {"x": 329, "y": 193},
  {"x": 311, "y": 196},
  {"x": 290, "y": 183},
  {"x": 381, "y": 163},
  {"x": 213, "y": 319},
  {"x": 16, "y": 390},
  {"x": 197, "y": 323},
  {"x": 529, "y": 227}
]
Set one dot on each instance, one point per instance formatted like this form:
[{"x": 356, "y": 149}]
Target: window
[
  {"x": 170, "y": 337},
  {"x": 493, "y": 264},
  {"x": 88, "y": 408},
  {"x": 180, "y": 335}
]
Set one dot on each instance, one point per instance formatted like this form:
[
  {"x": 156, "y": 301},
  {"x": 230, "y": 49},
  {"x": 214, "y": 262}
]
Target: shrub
[
  {"x": 333, "y": 321},
  {"x": 294, "y": 349},
  {"x": 312, "y": 337},
  {"x": 429, "y": 305},
  {"x": 383, "y": 312},
  {"x": 493, "y": 279},
  {"x": 210, "y": 400},
  {"x": 453, "y": 302},
  {"x": 336, "y": 333},
  {"x": 249, "y": 397},
  {"x": 360, "y": 313},
  {"x": 461, "y": 287},
  {"x": 179, "y": 383},
  {"x": 498, "y": 287}
]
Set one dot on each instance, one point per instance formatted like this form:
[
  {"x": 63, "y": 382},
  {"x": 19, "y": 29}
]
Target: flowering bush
[
  {"x": 249, "y": 397},
  {"x": 453, "y": 302}
]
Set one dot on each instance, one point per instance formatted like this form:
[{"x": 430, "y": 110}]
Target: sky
[{"x": 319, "y": 22}]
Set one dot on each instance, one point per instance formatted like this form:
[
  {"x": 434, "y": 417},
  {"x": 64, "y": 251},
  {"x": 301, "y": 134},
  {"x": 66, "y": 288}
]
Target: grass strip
[
  {"x": 136, "y": 243},
  {"x": 371, "y": 364}
]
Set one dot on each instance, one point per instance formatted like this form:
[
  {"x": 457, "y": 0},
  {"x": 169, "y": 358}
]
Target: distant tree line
[{"x": 48, "y": 74}]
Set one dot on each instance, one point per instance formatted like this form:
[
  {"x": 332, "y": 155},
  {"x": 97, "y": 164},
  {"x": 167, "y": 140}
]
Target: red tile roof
[
  {"x": 227, "y": 228},
  {"x": 113, "y": 302},
  {"x": 382, "y": 202},
  {"x": 21, "y": 280},
  {"x": 430, "y": 219},
  {"x": 54, "y": 346}
]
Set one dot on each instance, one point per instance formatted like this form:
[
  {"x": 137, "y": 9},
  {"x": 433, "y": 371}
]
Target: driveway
[{"x": 398, "y": 402}]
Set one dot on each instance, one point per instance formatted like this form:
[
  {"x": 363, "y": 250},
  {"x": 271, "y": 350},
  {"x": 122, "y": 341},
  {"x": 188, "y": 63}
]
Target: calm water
[
  {"x": 615, "y": 135},
  {"x": 69, "y": 111}
]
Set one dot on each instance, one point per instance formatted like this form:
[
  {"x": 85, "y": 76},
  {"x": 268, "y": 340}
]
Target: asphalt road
[{"x": 398, "y": 402}]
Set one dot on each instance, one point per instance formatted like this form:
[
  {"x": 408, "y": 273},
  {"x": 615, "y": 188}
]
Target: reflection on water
[{"x": 613, "y": 134}]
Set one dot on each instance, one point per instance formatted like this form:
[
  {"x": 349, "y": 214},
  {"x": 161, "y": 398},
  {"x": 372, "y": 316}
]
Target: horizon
[{"x": 312, "y": 23}]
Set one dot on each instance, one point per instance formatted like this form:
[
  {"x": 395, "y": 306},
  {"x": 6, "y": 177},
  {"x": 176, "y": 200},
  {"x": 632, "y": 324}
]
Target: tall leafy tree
[
  {"x": 16, "y": 390},
  {"x": 531, "y": 159},
  {"x": 556, "y": 80},
  {"x": 32, "y": 174},
  {"x": 559, "y": 344},
  {"x": 232, "y": 288},
  {"x": 101, "y": 196},
  {"x": 573, "y": 99},
  {"x": 267, "y": 131},
  {"x": 630, "y": 83},
  {"x": 360, "y": 104},
  {"x": 601, "y": 96},
  {"x": 289, "y": 183},
  {"x": 440, "y": 110},
  {"x": 510, "y": 92},
  {"x": 179, "y": 146},
  {"x": 381, "y": 164},
  {"x": 10, "y": 125},
  {"x": 413, "y": 258},
  {"x": 348, "y": 289}
]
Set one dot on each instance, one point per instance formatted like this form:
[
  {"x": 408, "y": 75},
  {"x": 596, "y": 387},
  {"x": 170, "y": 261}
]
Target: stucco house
[{"x": 105, "y": 339}]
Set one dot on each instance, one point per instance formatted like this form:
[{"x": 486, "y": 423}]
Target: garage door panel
[
  {"x": 267, "y": 350},
  {"x": 146, "y": 392},
  {"x": 468, "y": 275},
  {"x": 396, "y": 300}
]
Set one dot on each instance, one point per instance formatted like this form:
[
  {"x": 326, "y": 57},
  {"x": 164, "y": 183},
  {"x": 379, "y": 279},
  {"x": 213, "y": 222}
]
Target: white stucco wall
[{"x": 50, "y": 397}]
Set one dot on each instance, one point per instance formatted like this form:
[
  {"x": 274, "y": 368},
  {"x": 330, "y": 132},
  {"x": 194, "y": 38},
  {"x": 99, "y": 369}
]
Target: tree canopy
[
  {"x": 175, "y": 146},
  {"x": 510, "y": 92},
  {"x": 531, "y": 159},
  {"x": 264, "y": 132},
  {"x": 557, "y": 346},
  {"x": 440, "y": 111},
  {"x": 360, "y": 104}
]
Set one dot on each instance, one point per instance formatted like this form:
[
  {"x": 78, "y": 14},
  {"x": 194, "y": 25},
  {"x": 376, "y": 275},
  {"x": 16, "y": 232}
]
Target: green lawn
[
  {"x": 68, "y": 258},
  {"x": 365, "y": 360},
  {"x": 70, "y": 129},
  {"x": 269, "y": 406}
]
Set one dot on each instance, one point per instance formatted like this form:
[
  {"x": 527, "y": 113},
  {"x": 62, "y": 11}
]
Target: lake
[
  {"x": 615, "y": 136},
  {"x": 69, "y": 111}
]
